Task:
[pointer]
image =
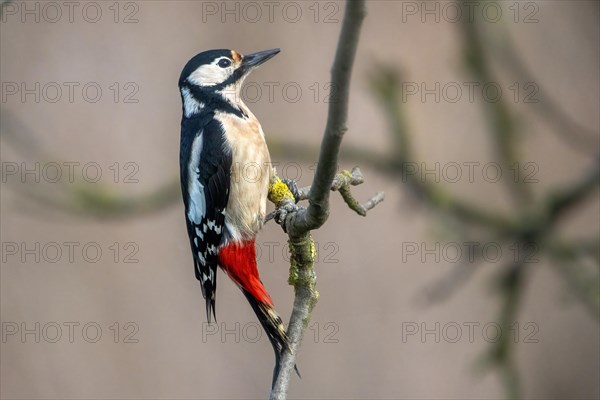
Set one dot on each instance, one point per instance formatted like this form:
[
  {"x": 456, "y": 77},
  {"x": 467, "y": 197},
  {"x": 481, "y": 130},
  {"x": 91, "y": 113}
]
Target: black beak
[{"x": 255, "y": 59}]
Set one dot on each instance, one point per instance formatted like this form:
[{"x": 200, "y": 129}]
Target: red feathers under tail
[{"x": 238, "y": 260}]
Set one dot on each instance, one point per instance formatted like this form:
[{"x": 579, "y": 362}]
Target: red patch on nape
[
  {"x": 238, "y": 260},
  {"x": 237, "y": 57}
]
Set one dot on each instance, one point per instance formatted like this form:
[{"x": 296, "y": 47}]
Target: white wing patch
[
  {"x": 191, "y": 106},
  {"x": 197, "y": 205}
]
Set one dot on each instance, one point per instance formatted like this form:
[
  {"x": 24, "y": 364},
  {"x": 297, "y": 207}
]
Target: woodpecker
[{"x": 224, "y": 208}]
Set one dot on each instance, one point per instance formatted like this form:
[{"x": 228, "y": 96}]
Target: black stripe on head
[{"x": 235, "y": 77}]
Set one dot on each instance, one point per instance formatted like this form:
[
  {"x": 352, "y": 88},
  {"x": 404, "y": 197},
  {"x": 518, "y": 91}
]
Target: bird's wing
[{"x": 208, "y": 178}]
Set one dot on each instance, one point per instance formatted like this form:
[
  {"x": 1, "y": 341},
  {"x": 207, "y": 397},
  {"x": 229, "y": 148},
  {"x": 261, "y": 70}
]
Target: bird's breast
[{"x": 250, "y": 174}]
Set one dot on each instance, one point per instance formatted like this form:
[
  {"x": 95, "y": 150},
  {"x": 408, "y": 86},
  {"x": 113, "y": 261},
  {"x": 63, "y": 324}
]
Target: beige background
[{"x": 355, "y": 348}]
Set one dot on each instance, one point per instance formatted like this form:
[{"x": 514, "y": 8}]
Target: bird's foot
[
  {"x": 284, "y": 211},
  {"x": 286, "y": 198},
  {"x": 293, "y": 186}
]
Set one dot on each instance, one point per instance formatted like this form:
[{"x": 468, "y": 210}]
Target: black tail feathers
[
  {"x": 273, "y": 326},
  {"x": 208, "y": 292}
]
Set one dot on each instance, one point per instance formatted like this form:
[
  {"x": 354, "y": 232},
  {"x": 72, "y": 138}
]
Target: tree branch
[
  {"x": 299, "y": 224},
  {"x": 318, "y": 210}
]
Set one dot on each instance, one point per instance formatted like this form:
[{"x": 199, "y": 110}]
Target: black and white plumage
[
  {"x": 205, "y": 189},
  {"x": 224, "y": 209}
]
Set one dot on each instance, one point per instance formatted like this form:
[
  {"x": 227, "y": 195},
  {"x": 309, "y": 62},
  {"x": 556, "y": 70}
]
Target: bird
[{"x": 225, "y": 205}]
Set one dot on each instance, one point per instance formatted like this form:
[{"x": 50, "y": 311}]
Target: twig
[
  {"x": 341, "y": 183},
  {"x": 582, "y": 278}
]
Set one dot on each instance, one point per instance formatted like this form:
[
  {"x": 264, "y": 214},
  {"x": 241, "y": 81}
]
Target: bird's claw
[
  {"x": 283, "y": 211},
  {"x": 293, "y": 187},
  {"x": 286, "y": 207}
]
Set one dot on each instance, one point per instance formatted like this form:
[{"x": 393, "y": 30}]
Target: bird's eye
[{"x": 224, "y": 63}]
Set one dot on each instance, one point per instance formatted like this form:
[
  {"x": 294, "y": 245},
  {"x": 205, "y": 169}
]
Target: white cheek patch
[
  {"x": 209, "y": 75},
  {"x": 197, "y": 206}
]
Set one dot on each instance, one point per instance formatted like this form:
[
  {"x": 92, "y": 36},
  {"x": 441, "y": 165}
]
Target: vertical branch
[
  {"x": 303, "y": 278},
  {"x": 318, "y": 210},
  {"x": 299, "y": 224}
]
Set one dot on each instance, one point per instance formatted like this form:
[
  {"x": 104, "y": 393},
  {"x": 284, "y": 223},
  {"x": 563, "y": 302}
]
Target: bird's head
[{"x": 218, "y": 73}]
